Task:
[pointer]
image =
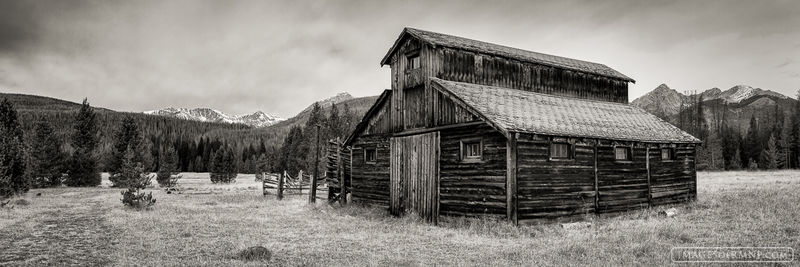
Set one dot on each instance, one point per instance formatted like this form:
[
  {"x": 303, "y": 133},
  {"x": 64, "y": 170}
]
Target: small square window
[
  {"x": 667, "y": 154},
  {"x": 622, "y": 153},
  {"x": 471, "y": 150},
  {"x": 413, "y": 60},
  {"x": 370, "y": 155},
  {"x": 560, "y": 151}
]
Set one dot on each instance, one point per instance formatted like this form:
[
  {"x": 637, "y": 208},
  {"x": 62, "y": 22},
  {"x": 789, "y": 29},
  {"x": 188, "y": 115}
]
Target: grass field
[{"x": 208, "y": 224}]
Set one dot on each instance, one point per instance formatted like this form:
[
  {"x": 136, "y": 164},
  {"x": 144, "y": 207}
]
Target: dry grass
[{"x": 734, "y": 209}]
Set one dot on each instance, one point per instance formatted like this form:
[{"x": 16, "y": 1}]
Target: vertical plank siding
[
  {"x": 370, "y": 181},
  {"x": 414, "y": 167},
  {"x": 464, "y": 66},
  {"x": 448, "y": 113},
  {"x": 473, "y": 188}
]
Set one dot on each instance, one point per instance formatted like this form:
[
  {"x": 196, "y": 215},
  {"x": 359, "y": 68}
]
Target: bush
[{"x": 136, "y": 199}]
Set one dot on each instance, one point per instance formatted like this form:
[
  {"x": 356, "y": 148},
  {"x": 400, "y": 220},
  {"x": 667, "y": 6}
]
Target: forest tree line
[{"x": 770, "y": 141}]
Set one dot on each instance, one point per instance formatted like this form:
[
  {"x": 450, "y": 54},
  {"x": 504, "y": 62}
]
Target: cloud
[{"x": 279, "y": 56}]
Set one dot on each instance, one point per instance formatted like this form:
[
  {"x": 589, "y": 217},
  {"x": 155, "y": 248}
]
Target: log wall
[
  {"x": 594, "y": 181},
  {"x": 554, "y": 188},
  {"x": 370, "y": 181},
  {"x": 673, "y": 181},
  {"x": 472, "y": 188}
]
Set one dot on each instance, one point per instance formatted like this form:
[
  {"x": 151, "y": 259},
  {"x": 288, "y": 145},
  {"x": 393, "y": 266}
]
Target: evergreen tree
[
  {"x": 223, "y": 166},
  {"x": 127, "y": 140},
  {"x": 83, "y": 166},
  {"x": 132, "y": 172},
  {"x": 168, "y": 168},
  {"x": 46, "y": 159},
  {"x": 736, "y": 161},
  {"x": 752, "y": 142},
  {"x": 262, "y": 166},
  {"x": 127, "y": 136},
  {"x": 769, "y": 157},
  {"x": 795, "y": 134},
  {"x": 12, "y": 153}
]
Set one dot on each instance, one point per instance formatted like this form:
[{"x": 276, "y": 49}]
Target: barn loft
[{"x": 471, "y": 128}]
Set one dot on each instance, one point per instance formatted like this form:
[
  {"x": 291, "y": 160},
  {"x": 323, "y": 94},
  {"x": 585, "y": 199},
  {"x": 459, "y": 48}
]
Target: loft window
[
  {"x": 622, "y": 153},
  {"x": 560, "y": 151},
  {"x": 471, "y": 150},
  {"x": 413, "y": 60},
  {"x": 667, "y": 154},
  {"x": 370, "y": 155}
]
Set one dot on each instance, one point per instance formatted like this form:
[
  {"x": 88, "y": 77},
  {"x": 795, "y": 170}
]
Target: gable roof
[
  {"x": 439, "y": 39},
  {"x": 514, "y": 110},
  {"x": 365, "y": 120}
]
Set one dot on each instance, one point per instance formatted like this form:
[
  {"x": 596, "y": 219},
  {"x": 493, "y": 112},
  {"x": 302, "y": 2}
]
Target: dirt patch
[{"x": 55, "y": 238}]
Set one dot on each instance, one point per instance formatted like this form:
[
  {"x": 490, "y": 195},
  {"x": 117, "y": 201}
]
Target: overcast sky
[{"x": 280, "y": 56}]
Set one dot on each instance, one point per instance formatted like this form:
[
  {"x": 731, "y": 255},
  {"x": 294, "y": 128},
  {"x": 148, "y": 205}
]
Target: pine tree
[
  {"x": 223, "y": 166},
  {"x": 46, "y": 159},
  {"x": 795, "y": 134},
  {"x": 736, "y": 161},
  {"x": 132, "y": 172},
  {"x": 83, "y": 166},
  {"x": 12, "y": 153},
  {"x": 262, "y": 166},
  {"x": 127, "y": 136},
  {"x": 168, "y": 168},
  {"x": 752, "y": 143},
  {"x": 769, "y": 157}
]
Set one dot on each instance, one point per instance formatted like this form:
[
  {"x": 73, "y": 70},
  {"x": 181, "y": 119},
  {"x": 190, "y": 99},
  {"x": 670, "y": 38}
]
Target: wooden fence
[{"x": 286, "y": 184}]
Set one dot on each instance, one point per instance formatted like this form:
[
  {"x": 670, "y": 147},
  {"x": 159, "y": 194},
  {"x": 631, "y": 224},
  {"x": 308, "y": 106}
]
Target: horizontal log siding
[
  {"x": 622, "y": 184},
  {"x": 673, "y": 181},
  {"x": 370, "y": 181},
  {"x": 473, "y": 189},
  {"x": 464, "y": 66},
  {"x": 553, "y": 188}
]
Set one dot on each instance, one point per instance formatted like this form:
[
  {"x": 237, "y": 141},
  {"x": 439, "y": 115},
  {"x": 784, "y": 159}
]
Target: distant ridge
[{"x": 257, "y": 119}]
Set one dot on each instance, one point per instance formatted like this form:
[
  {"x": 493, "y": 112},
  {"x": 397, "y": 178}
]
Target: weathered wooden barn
[{"x": 478, "y": 129}]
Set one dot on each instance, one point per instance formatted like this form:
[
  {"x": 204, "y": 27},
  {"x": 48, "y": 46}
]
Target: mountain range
[
  {"x": 737, "y": 105},
  {"x": 257, "y": 119}
]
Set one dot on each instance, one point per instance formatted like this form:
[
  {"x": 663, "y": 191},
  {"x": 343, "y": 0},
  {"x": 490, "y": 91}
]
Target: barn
[{"x": 471, "y": 128}]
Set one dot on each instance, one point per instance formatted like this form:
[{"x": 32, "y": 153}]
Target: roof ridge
[{"x": 506, "y": 46}]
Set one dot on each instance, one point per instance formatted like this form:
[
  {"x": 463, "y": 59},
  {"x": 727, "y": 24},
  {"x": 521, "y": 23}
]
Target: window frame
[
  {"x": 628, "y": 154},
  {"x": 463, "y": 150},
  {"x": 570, "y": 151},
  {"x": 373, "y": 152},
  {"x": 672, "y": 155},
  {"x": 411, "y": 57}
]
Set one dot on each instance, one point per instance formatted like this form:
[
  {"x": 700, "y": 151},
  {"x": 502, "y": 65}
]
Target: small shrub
[
  {"x": 257, "y": 253},
  {"x": 137, "y": 199}
]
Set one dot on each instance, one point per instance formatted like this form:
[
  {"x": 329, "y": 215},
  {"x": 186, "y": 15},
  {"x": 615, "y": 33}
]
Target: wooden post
[
  {"x": 649, "y": 184},
  {"x": 263, "y": 184},
  {"x": 511, "y": 179},
  {"x": 312, "y": 196},
  {"x": 340, "y": 173},
  {"x": 596, "y": 180},
  {"x": 280, "y": 186}
]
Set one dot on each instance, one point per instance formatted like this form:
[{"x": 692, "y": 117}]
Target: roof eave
[{"x": 365, "y": 120}]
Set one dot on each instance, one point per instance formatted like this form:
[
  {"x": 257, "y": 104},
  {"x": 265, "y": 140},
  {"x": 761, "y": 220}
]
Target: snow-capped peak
[{"x": 257, "y": 119}]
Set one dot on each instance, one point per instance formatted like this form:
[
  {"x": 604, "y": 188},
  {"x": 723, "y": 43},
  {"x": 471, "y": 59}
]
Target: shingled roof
[
  {"x": 439, "y": 39},
  {"x": 515, "y": 110}
]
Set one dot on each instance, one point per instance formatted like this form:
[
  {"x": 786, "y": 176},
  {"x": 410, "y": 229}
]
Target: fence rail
[{"x": 300, "y": 184}]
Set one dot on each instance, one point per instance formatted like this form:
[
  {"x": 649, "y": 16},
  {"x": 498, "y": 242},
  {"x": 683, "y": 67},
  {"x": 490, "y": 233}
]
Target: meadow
[{"x": 207, "y": 225}]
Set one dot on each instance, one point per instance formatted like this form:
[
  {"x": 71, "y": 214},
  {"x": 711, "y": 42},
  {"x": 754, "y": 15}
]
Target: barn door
[{"x": 415, "y": 175}]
